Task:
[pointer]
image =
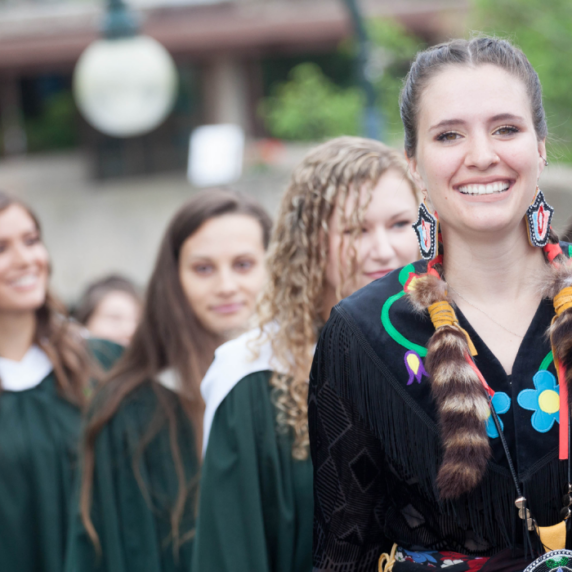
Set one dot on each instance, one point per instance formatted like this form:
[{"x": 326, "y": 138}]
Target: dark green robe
[
  {"x": 256, "y": 503},
  {"x": 133, "y": 522},
  {"x": 39, "y": 432}
]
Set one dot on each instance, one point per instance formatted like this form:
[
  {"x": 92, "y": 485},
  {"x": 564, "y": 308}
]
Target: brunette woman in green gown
[
  {"x": 45, "y": 371},
  {"x": 135, "y": 508},
  {"x": 344, "y": 221}
]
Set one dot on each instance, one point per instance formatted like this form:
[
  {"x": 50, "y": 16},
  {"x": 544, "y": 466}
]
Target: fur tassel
[{"x": 461, "y": 400}]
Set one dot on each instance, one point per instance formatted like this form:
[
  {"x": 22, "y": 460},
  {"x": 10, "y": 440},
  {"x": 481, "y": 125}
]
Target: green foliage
[
  {"x": 310, "y": 107},
  {"x": 391, "y": 42},
  {"x": 543, "y": 30},
  {"x": 55, "y": 127}
]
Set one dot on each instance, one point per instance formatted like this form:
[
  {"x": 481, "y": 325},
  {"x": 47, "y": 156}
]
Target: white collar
[
  {"x": 27, "y": 373},
  {"x": 232, "y": 362},
  {"x": 170, "y": 379}
]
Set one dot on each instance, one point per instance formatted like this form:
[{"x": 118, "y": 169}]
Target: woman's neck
[
  {"x": 17, "y": 330},
  {"x": 505, "y": 267}
]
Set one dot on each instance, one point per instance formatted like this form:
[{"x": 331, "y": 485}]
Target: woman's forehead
[{"x": 468, "y": 93}]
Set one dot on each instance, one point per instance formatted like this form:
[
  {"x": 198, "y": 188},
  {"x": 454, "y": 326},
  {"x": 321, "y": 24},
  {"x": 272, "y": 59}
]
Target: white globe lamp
[{"x": 124, "y": 84}]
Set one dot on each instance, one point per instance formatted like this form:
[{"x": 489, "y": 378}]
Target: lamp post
[
  {"x": 372, "y": 120},
  {"x": 125, "y": 83},
  {"x": 119, "y": 22}
]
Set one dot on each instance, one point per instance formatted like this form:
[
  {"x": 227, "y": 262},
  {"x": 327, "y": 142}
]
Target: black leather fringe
[{"x": 411, "y": 444}]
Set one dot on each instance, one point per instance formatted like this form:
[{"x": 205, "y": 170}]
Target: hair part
[
  {"x": 474, "y": 52},
  {"x": 169, "y": 335},
  {"x": 329, "y": 176}
]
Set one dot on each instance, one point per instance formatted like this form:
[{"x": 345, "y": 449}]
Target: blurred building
[{"x": 228, "y": 53}]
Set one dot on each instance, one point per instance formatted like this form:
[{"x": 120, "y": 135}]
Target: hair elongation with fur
[{"x": 459, "y": 394}]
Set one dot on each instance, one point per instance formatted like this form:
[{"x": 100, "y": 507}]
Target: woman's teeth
[
  {"x": 484, "y": 189},
  {"x": 28, "y": 280}
]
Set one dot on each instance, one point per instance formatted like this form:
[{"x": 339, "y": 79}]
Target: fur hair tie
[{"x": 460, "y": 397}]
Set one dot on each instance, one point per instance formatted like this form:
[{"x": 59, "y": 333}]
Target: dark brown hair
[
  {"x": 459, "y": 396},
  {"x": 168, "y": 336},
  {"x": 475, "y": 52},
  {"x": 58, "y": 336},
  {"x": 98, "y": 290}
]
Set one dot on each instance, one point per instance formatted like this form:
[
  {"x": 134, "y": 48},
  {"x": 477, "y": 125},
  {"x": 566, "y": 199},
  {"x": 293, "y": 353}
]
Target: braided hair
[{"x": 457, "y": 385}]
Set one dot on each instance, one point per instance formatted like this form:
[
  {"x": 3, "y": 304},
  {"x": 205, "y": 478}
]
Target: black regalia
[{"x": 376, "y": 447}]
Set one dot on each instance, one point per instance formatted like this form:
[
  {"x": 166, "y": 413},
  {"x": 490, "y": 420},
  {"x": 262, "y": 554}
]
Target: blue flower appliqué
[
  {"x": 501, "y": 403},
  {"x": 420, "y": 557},
  {"x": 544, "y": 401}
]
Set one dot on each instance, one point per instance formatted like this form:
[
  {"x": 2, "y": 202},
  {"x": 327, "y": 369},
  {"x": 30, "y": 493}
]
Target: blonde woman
[{"x": 344, "y": 221}]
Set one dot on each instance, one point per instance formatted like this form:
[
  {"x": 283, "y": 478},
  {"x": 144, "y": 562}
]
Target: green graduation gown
[
  {"x": 256, "y": 503},
  {"x": 131, "y": 517},
  {"x": 39, "y": 432}
]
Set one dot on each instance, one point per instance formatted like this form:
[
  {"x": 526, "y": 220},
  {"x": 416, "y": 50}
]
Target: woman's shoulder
[
  {"x": 381, "y": 314},
  {"x": 237, "y": 360},
  {"x": 374, "y": 295},
  {"x": 104, "y": 351}
]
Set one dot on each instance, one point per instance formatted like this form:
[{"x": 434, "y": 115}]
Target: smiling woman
[
  {"x": 344, "y": 221},
  {"x": 45, "y": 369},
  {"x": 144, "y": 430},
  {"x": 452, "y": 461}
]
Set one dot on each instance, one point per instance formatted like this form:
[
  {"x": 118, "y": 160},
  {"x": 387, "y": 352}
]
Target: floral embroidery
[
  {"x": 414, "y": 366},
  {"x": 544, "y": 401},
  {"x": 404, "y": 278},
  {"x": 450, "y": 561},
  {"x": 501, "y": 402},
  {"x": 421, "y": 556}
]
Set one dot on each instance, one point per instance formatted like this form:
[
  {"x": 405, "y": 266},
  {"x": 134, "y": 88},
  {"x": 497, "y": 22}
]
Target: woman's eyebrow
[{"x": 498, "y": 117}]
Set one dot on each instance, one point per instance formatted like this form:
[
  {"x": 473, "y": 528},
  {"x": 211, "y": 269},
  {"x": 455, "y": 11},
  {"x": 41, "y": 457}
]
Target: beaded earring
[
  {"x": 538, "y": 219},
  {"x": 426, "y": 228}
]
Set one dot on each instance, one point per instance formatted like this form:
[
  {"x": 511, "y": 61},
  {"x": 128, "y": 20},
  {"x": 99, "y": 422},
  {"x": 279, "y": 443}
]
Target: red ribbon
[
  {"x": 474, "y": 367},
  {"x": 431, "y": 270},
  {"x": 563, "y": 449},
  {"x": 552, "y": 251}
]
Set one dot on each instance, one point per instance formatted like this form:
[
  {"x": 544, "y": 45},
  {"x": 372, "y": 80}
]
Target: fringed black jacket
[{"x": 376, "y": 449}]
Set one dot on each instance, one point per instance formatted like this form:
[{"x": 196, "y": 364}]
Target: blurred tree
[
  {"x": 392, "y": 51},
  {"x": 309, "y": 106},
  {"x": 543, "y": 30},
  {"x": 56, "y": 126}
]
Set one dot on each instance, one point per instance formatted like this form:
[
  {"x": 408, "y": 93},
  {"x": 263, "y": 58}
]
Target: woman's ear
[
  {"x": 414, "y": 172},
  {"x": 542, "y": 162}
]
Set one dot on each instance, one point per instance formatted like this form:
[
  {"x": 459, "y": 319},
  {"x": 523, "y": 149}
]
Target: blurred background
[{"x": 288, "y": 73}]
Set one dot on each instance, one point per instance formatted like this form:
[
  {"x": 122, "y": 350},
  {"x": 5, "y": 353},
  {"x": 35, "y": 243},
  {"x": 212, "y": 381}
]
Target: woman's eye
[
  {"x": 448, "y": 136},
  {"x": 31, "y": 240},
  {"x": 243, "y": 265},
  {"x": 203, "y": 269},
  {"x": 402, "y": 224},
  {"x": 506, "y": 130}
]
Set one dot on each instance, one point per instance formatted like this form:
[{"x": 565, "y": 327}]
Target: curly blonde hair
[{"x": 332, "y": 173}]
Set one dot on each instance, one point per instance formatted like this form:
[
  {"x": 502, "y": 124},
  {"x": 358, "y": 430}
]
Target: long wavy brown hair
[
  {"x": 343, "y": 169},
  {"x": 168, "y": 336},
  {"x": 59, "y": 337}
]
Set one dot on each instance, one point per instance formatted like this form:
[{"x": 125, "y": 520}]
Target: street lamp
[
  {"x": 372, "y": 120},
  {"x": 125, "y": 84}
]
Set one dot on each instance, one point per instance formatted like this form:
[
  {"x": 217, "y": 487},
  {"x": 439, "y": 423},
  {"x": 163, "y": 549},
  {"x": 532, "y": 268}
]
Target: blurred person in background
[
  {"x": 45, "y": 369},
  {"x": 110, "y": 308},
  {"x": 344, "y": 221},
  {"x": 135, "y": 510}
]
